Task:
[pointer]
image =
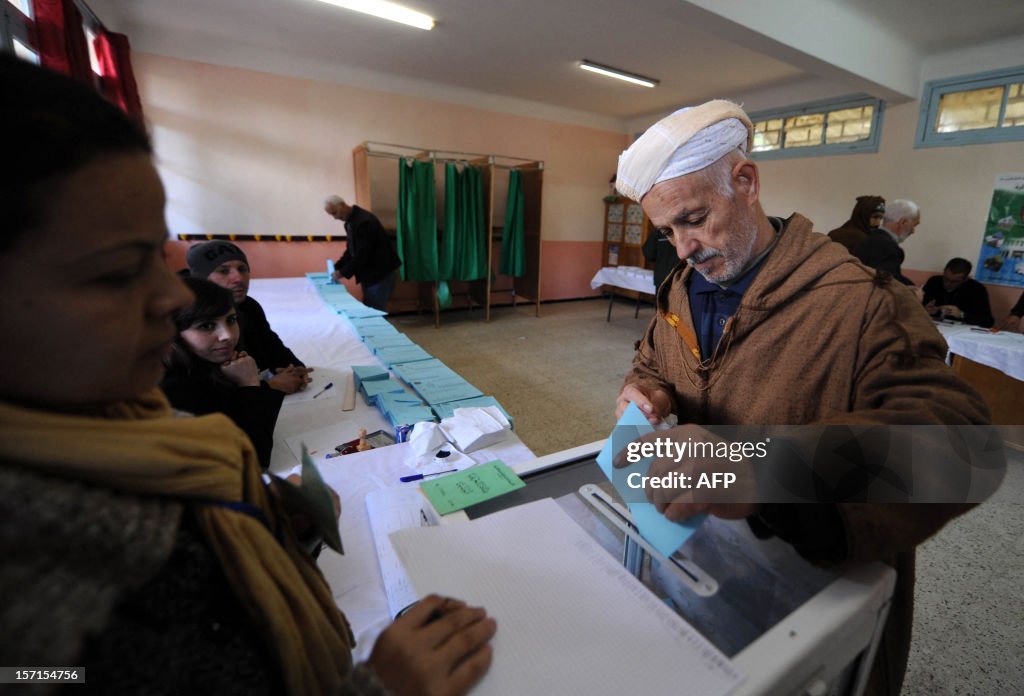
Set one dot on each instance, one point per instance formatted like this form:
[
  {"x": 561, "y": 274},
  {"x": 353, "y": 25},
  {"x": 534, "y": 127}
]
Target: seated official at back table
[{"x": 954, "y": 295}]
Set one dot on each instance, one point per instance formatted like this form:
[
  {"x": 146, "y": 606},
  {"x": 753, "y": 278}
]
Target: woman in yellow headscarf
[{"x": 145, "y": 548}]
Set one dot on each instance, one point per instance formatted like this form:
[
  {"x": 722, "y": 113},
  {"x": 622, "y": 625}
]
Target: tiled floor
[{"x": 559, "y": 375}]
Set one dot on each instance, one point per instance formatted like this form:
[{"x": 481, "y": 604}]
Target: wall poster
[{"x": 1001, "y": 259}]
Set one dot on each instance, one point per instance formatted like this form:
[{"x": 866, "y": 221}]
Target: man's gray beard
[{"x": 734, "y": 267}]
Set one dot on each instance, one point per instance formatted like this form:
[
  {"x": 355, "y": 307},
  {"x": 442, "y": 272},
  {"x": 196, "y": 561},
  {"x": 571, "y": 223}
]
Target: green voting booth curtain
[
  {"x": 463, "y": 244},
  {"x": 417, "y": 220},
  {"x": 513, "y": 241}
]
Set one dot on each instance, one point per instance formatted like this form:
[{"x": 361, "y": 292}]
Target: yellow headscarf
[{"x": 138, "y": 447}]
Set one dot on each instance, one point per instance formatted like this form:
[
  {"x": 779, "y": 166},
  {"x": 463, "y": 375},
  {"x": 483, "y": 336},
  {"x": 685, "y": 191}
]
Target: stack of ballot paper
[
  {"x": 391, "y": 340},
  {"x": 372, "y": 326},
  {"x": 436, "y": 382},
  {"x": 367, "y": 373},
  {"x": 470, "y": 429},
  {"x": 403, "y": 408}
]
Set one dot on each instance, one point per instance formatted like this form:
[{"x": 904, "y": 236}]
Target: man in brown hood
[
  {"x": 768, "y": 323},
  {"x": 867, "y": 215}
]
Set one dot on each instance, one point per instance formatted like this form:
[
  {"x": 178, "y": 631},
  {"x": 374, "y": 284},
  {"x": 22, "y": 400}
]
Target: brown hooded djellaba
[
  {"x": 820, "y": 339},
  {"x": 856, "y": 229}
]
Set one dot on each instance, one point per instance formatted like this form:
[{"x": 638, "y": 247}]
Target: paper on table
[
  {"x": 471, "y": 486},
  {"x": 321, "y": 376},
  {"x": 564, "y": 607},
  {"x": 391, "y": 509},
  {"x": 663, "y": 534}
]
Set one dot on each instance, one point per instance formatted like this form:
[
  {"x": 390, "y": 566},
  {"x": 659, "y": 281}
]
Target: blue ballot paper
[{"x": 662, "y": 534}]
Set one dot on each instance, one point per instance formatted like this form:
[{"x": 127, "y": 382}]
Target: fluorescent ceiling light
[
  {"x": 618, "y": 74},
  {"x": 387, "y": 10}
]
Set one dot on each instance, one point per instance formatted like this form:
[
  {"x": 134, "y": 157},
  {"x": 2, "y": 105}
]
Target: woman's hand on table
[{"x": 440, "y": 647}]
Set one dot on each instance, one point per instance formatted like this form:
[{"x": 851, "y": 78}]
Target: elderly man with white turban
[{"x": 769, "y": 323}]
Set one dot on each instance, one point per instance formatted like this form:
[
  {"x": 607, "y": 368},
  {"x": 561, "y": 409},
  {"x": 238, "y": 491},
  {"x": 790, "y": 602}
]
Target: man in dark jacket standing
[{"x": 369, "y": 257}]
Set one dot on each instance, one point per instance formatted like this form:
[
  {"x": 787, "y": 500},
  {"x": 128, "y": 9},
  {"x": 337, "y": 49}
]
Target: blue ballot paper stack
[
  {"x": 428, "y": 389},
  {"x": 664, "y": 535}
]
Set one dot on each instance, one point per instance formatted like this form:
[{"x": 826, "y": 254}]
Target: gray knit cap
[{"x": 204, "y": 258}]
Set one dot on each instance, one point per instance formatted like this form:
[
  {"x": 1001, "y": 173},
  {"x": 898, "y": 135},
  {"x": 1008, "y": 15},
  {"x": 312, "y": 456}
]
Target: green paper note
[
  {"x": 313, "y": 499},
  {"x": 471, "y": 486}
]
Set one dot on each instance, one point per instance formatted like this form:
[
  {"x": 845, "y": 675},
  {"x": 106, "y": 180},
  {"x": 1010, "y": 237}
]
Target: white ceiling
[{"x": 527, "y": 50}]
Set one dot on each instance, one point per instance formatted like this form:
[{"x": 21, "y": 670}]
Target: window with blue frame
[
  {"x": 838, "y": 126},
  {"x": 972, "y": 109}
]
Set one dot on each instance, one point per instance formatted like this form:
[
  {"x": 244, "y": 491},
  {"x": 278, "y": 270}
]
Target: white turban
[{"x": 685, "y": 142}]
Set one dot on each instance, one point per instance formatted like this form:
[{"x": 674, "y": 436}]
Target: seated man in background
[
  {"x": 866, "y": 217},
  {"x": 226, "y": 265},
  {"x": 953, "y": 295},
  {"x": 768, "y": 323},
  {"x": 881, "y": 248}
]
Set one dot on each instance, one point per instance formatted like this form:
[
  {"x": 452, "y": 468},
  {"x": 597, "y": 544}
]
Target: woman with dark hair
[
  {"x": 141, "y": 546},
  {"x": 206, "y": 375}
]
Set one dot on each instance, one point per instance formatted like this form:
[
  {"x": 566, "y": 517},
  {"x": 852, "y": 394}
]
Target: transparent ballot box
[{"x": 789, "y": 626}]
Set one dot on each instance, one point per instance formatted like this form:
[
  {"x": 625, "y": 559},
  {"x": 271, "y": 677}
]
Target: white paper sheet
[
  {"x": 571, "y": 619},
  {"x": 391, "y": 509}
]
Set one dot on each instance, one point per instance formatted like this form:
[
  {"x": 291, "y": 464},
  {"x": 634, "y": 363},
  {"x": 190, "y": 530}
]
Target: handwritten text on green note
[{"x": 471, "y": 486}]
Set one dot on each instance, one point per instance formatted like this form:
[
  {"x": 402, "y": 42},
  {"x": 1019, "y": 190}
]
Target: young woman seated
[
  {"x": 142, "y": 546},
  {"x": 206, "y": 375}
]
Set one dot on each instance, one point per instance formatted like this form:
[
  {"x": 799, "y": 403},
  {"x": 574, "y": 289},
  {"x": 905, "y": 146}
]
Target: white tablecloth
[
  {"x": 323, "y": 340},
  {"x": 626, "y": 277},
  {"x": 1003, "y": 351}
]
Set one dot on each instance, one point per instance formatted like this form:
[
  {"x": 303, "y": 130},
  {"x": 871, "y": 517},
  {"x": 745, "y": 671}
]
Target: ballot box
[{"x": 790, "y": 627}]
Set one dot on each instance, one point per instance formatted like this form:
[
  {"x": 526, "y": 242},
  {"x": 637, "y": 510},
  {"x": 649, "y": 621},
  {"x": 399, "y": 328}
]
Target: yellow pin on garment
[{"x": 685, "y": 333}]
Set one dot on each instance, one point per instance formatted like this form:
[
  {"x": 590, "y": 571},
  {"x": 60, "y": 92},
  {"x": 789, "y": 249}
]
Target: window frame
[
  {"x": 934, "y": 90},
  {"x": 17, "y": 26},
  {"x": 868, "y": 145}
]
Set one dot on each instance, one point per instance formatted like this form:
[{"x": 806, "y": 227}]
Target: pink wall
[
  {"x": 243, "y": 152},
  {"x": 567, "y": 268}
]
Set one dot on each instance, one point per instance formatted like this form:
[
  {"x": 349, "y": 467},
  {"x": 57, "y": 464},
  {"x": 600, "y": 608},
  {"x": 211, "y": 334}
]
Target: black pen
[{"x": 329, "y": 385}]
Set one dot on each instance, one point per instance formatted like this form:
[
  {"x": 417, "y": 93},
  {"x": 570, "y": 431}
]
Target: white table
[
  {"x": 633, "y": 278},
  {"x": 323, "y": 340},
  {"x": 1003, "y": 351}
]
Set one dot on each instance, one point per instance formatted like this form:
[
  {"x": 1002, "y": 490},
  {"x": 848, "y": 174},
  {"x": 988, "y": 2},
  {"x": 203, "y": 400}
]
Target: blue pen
[
  {"x": 329, "y": 385},
  {"x": 417, "y": 477}
]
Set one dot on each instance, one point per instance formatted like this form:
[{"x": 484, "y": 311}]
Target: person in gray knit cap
[{"x": 226, "y": 265}]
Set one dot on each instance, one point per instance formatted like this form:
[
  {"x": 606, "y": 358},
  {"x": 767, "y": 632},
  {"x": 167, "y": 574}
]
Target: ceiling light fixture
[
  {"x": 387, "y": 10},
  {"x": 618, "y": 74}
]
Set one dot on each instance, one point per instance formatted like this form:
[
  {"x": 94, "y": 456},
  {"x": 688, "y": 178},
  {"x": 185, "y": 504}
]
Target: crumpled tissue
[
  {"x": 470, "y": 429},
  {"x": 432, "y": 452}
]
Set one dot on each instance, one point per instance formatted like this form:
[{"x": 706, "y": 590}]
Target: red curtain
[
  {"x": 61, "y": 38},
  {"x": 117, "y": 81}
]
